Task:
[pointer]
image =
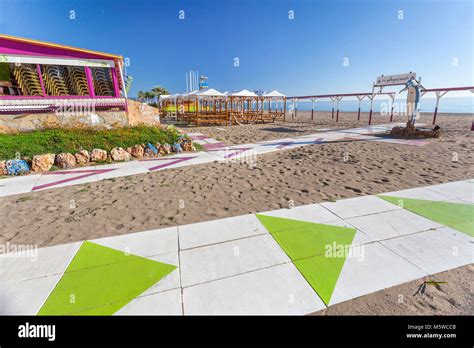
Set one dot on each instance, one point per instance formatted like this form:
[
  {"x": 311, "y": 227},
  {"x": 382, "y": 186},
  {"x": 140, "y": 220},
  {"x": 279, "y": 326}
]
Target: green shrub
[{"x": 58, "y": 140}]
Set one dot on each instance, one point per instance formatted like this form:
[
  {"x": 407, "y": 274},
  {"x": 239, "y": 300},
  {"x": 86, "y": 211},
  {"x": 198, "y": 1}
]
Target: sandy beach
[
  {"x": 305, "y": 175},
  {"x": 449, "y": 293}
]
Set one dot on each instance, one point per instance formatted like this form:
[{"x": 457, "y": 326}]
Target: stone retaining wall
[{"x": 138, "y": 113}]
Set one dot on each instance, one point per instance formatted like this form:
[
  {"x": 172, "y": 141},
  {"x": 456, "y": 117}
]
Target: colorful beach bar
[{"x": 40, "y": 77}]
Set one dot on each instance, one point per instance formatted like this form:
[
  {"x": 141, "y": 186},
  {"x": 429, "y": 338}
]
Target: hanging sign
[{"x": 392, "y": 80}]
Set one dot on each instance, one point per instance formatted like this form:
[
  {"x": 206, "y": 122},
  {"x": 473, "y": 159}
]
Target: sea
[{"x": 464, "y": 105}]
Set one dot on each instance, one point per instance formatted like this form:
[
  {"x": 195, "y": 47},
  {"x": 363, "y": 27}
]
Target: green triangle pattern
[
  {"x": 458, "y": 216},
  {"x": 101, "y": 280},
  {"x": 306, "y": 243}
]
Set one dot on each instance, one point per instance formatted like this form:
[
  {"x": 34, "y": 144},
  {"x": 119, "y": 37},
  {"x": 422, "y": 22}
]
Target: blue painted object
[
  {"x": 152, "y": 148},
  {"x": 17, "y": 167},
  {"x": 177, "y": 148}
]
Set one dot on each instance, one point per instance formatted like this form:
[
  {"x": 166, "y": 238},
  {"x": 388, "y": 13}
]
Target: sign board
[
  {"x": 393, "y": 80},
  {"x": 17, "y": 59}
]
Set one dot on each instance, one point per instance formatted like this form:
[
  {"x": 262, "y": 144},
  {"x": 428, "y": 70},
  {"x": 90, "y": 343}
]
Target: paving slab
[
  {"x": 102, "y": 280},
  {"x": 166, "y": 162},
  {"x": 36, "y": 262},
  {"x": 455, "y": 215},
  {"x": 312, "y": 213},
  {"x": 434, "y": 251},
  {"x": 463, "y": 200},
  {"x": 26, "y": 297},
  {"x": 218, "y": 231},
  {"x": 170, "y": 281},
  {"x": 212, "y": 262},
  {"x": 279, "y": 290},
  {"x": 234, "y": 152},
  {"x": 145, "y": 244},
  {"x": 419, "y": 193},
  {"x": 372, "y": 267},
  {"x": 454, "y": 189},
  {"x": 163, "y": 303},
  {"x": 359, "y": 238},
  {"x": 18, "y": 185},
  {"x": 52, "y": 180},
  {"x": 157, "y": 245},
  {"x": 127, "y": 169},
  {"x": 316, "y": 213},
  {"x": 392, "y": 224},
  {"x": 358, "y": 206}
]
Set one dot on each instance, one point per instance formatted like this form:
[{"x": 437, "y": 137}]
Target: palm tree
[
  {"x": 159, "y": 90},
  {"x": 149, "y": 96},
  {"x": 141, "y": 96}
]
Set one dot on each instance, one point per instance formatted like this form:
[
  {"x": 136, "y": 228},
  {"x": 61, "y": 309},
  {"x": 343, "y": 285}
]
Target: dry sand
[
  {"x": 448, "y": 293},
  {"x": 304, "y": 175}
]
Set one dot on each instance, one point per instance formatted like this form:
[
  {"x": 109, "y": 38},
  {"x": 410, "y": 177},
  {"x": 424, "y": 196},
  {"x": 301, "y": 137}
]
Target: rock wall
[
  {"x": 141, "y": 113},
  {"x": 138, "y": 113}
]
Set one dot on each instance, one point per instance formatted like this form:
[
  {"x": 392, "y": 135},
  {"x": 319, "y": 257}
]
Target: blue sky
[{"x": 304, "y": 55}]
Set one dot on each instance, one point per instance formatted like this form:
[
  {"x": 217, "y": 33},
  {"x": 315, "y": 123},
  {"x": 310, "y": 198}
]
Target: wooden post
[
  {"x": 371, "y": 104},
  {"x": 196, "y": 109},
  {"x": 358, "y": 113},
  {"x": 284, "y": 109},
  {"x": 338, "y": 99},
  {"x": 370, "y": 112},
  {"x": 332, "y": 112},
  {"x": 392, "y": 97},
  {"x": 312, "y": 108},
  {"x": 438, "y": 97}
]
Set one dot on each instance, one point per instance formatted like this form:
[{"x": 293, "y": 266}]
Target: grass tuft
[{"x": 58, "y": 140}]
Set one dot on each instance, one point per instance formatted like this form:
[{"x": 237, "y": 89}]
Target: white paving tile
[
  {"x": 163, "y": 303},
  {"x": 202, "y": 157},
  {"x": 312, "y": 213},
  {"x": 130, "y": 168},
  {"x": 379, "y": 268},
  {"x": 392, "y": 224},
  {"x": 462, "y": 200},
  {"x": 176, "y": 161},
  {"x": 217, "y": 231},
  {"x": 232, "y": 152},
  {"x": 358, "y": 206},
  {"x": 172, "y": 280},
  {"x": 212, "y": 141},
  {"x": 147, "y": 243},
  {"x": 36, "y": 263},
  {"x": 454, "y": 189},
  {"x": 105, "y": 165},
  {"x": 435, "y": 251},
  {"x": 419, "y": 193},
  {"x": 359, "y": 238},
  {"x": 27, "y": 296},
  {"x": 316, "y": 213},
  {"x": 18, "y": 185},
  {"x": 51, "y": 181},
  {"x": 228, "y": 259},
  {"x": 275, "y": 142},
  {"x": 275, "y": 290}
]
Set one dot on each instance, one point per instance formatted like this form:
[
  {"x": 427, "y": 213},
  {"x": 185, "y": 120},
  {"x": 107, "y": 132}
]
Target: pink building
[{"x": 40, "y": 77}]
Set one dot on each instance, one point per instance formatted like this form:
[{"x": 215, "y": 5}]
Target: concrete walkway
[
  {"x": 289, "y": 261},
  {"x": 214, "y": 151}
]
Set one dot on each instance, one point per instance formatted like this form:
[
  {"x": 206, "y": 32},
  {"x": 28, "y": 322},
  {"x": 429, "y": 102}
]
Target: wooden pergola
[{"x": 209, "y": 106}]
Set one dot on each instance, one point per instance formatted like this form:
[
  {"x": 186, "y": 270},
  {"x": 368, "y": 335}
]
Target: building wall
[{"x": 138, "y": 113}]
